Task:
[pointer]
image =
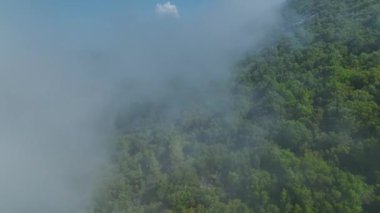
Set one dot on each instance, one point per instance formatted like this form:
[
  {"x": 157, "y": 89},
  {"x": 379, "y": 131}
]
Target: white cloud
[{"x": 167, "y": 9}]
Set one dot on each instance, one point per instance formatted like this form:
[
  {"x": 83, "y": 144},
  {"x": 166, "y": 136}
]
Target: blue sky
[
  {"x": 76, "y": 18},
  {"x": 92, "y": 8}
]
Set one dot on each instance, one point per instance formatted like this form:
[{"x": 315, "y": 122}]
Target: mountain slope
[{"x": 301, "y": 133}]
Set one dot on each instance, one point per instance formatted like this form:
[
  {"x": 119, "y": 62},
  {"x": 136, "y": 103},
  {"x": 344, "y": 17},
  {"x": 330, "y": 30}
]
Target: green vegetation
[{"x": 302, "y": 133}]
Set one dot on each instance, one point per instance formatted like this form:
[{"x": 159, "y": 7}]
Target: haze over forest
[{"x": 202, "y": 106}]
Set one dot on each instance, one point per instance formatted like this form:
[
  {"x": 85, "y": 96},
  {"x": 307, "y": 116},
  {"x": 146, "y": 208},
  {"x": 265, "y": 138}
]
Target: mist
[{"x": 65, "y": 77}]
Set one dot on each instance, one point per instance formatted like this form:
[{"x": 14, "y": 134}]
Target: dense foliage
[{"x": 301, "y": 132}]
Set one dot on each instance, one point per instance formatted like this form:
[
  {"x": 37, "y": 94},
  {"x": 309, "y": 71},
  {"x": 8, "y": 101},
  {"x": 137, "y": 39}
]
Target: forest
[{"x": 298, "y": 131}]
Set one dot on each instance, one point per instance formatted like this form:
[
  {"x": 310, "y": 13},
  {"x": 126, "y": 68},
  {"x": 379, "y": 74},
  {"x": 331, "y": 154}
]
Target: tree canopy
[{"x": 302, "y": 133}]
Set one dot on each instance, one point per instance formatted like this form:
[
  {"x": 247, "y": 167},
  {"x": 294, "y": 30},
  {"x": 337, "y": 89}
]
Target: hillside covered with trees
[{"x": 300, "y": 131}]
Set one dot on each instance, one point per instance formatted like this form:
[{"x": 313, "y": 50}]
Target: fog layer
[{"x": 66, "y": 76}]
